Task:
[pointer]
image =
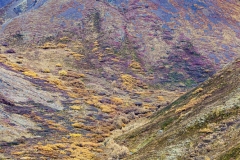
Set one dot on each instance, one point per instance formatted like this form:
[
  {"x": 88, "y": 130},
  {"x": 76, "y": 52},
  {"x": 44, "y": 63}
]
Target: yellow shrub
[
  {"x": 45, "y": 148},
  {"x": 117, "y": 101},
  {"x": 67, "y": 49},
  {"x": 75, "y": 135},
  {"x": 18, "y": 153},
  {"x": 58, "y": 65},
  {"x": 194, "y": 101},
  {"x": 207, "y": 158},
  {"x": 160, "y": 98},
  {"x": 62, "y": 152},
  {"x": 94, "y": 100},
  {"x": 61, "y": 45},
  {"x": 135, "y": 65},
  {"x": 57, "y": 82},
  {"x": 76, "y": 101},
  {"x": 62, "y": 73},
  {"x": 89, "y": 144},
  {"x": 59, "y": 145},
  {"x": 54, "y": 81},
  {"x": 76, "y": 107},
  {"x": 94, "y": 49},
  {"x": 14, "y": 66},
  {"x": 81, "y": 153},
  {"x": 82, "y": 75},
  {"x": 187, "y": 106},
  {"x": 64, "y": 39},
  {"x": 30, "y": 74},
  {"x": 48, "y": 45},
  {"x": 3, "y": 58},
  {"x": 96, "y": 43},
  {"x": 77, "y": 56},
  {"x": 128, "y": 81},
  {"x": 73, "y": 95},
  {"x": 115, "y": 60},
  {"x": 77, "y": 125},
  {"x": 198, "y": 90},
  {"x": 205, "y": 130},
  {"x": 147, "y": 106},
  {"x": 51, "y": 147},
  {"x": 106, "y": 108},
  {"x": 46, "y": 70},
  {"x": 72, "y": 53}
]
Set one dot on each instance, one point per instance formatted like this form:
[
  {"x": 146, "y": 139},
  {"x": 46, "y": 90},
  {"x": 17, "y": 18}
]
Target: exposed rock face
[
  {"x": 19, "y": 100},
  {"x": 14, "y": 87}
]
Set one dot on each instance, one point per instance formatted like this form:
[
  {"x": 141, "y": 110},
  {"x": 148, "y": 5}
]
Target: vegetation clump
[
  {"x": 76, "y": 107},
  {"x": 205, "y": 130},
  {"x": 58, "y": 65},
  {"x": 198, "y": 90},
  {"x": 75, "y": 135},
  {"x": 62, "y": 73},
  {"x": 64, "y": 39},
  {"x": 129, "y": 82},
  {"x": 117, "y": 100},
  {"x": 48, "y": 45},
  {"x": 194, "y": 101},
  {"x": 160, "y": 98},
  {"x": 106, "y": 108},
  {"x": 31, "y": 74},
  {"x": 61, "y": 45},
  {"x": 46, "y": 70},
  {"x": 135, "y": 65}
]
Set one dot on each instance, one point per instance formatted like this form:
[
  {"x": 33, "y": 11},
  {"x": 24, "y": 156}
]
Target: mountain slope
[
  {"x": 61, "y": 113},
  {"x": 74, "y": 71},
  {"x": 204, "y": 123},
  {"x": 178, "y": 43}
]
